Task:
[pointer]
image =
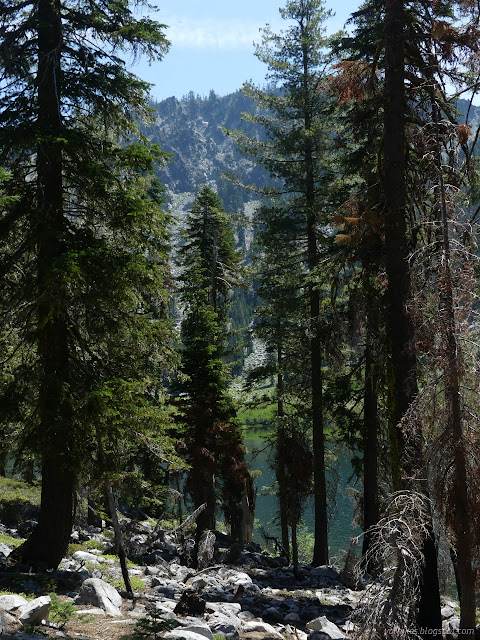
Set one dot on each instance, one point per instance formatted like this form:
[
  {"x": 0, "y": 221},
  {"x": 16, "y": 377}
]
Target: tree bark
[
  {"x": 280, "y": 466},
  {"x": 371, "y": 509},
  {"x": 320, "y": 551},
  {"x": 464, "y": 538},
  {"x": 403, "y": 384},
  {"x": 49, "y": 541}
]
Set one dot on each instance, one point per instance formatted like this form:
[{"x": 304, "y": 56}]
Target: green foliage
[
  {"x": 306, "y": 542},
  {"x": 12, "y": 542},
  {"x": 84, "y": 248},
  {"x": 94, "y": 544},
  {"x": 152, "y": 626},
  {"x": 75, "y": 546},
  {"x": 61, "y": 612},
  {"x": 210, "y": 267},
  {"x": 138, "y": 585},
  {"x": 255, "y": 416}
]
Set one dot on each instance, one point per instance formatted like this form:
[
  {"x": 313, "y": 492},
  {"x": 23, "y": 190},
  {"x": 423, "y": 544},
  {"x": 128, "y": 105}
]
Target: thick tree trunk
[
  {"x": 204, "y": 493},
  {"x": 49, "y": 541},
  {"x": 403, "y": 364}
]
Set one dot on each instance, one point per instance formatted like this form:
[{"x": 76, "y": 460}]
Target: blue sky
[{"x": 212, "y": 44}]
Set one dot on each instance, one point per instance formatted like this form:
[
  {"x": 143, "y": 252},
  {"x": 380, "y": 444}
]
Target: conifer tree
[
  {"x": 209, "y": 268},
  {"x": 294, "y": 152},
  {"x": 83, "y": 246},
  {"x": 279, "y": 323}
]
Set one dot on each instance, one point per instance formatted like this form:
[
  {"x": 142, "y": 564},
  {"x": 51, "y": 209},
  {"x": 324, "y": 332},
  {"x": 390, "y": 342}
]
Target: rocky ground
[{"x": 251, "y": 597}]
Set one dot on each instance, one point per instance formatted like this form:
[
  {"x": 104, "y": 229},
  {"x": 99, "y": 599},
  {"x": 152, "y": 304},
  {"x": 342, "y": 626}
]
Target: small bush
[
  {"x": 152, "y": 626},
  {"x": 95, "y": 544},
  {"x": 73, "y": 547},
  {"x": 61, "y": 612},
  {"x": 138, "y": 584}
]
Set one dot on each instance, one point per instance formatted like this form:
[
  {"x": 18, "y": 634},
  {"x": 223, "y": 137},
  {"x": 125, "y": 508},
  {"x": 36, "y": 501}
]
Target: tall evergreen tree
[
  {"x": 209, "y": 268},
  {"x": 83, "y": 247},
  {"x": 294, "y": 152}
]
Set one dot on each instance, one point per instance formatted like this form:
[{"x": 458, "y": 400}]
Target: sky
[{"x": 212, "y": 44}]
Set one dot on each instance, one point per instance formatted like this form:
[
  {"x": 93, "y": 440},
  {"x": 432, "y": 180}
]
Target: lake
[{"x": 340, "y": 526}]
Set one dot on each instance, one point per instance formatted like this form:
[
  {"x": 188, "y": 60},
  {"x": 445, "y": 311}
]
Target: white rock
[
  {"x": 85, "y": 556},
  {"x": 227, "y": 608},
  {"x": 100, "y": 594},
  {"x": 93, "y": 611},
  {"x": 224, "y": 624},
  {"x": 10, "y": 602},
  {"x": 35, "y": 611},
  {"x": 323, "y": 624},
  {"x": 184, "y": 634},
  {"x": 198, "y": 628},
  {"x": 260, "y": 627},
  {"x": 246, "y": 615},
  {"x": 447, "y": 612}
]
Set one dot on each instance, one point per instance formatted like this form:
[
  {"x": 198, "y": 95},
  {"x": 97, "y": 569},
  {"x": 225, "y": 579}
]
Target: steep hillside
[{"x": 192, "y": 129}]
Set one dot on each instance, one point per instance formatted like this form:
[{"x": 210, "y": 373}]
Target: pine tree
[
  {"x": 84, "y": 244},
  {"x": 294, "y": 152},
  {"x": 209, "y": 267},
  {"x": 279, "y": 324}
]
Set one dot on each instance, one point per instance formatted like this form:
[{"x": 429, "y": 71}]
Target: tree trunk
[
  {"x": 403, "y": 384},
  {"x": 371, "y": 509},
  {"x": 296, "y": 572},
  {"x": 320, "y": 552},
  {"x": 49, "y": 541},
  {"x": 122, "y": 556},
  {"x": 204, "y": 493},
  {"x": 280, "y": 466},
  {"x": 464, "y": 538}
]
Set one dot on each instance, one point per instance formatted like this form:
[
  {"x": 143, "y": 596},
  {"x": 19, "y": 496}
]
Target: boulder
[
  {"x": 26, "y": 527},
  {"x": 292, "y": 617},
  {"x": 324, "y": 625},
  {"x": 184, "y": 634},
  {"x": 229, "y": 609},
  {"x": 447, "y": 612},
  {"x": 225, "y": 627},
  {"x": 198, "y": 628},
  {"x": 35, "y": 611},
  {"x": 273, "y": 614},
  {"x": 85, "y": 556},
  {"x": 453, "y": 624},
  {"x": 325, "y": 572},
  {"x": 258, "y": 626},
  {"x": 11, "y": 602},
  {"x": 100, "y": 594}
]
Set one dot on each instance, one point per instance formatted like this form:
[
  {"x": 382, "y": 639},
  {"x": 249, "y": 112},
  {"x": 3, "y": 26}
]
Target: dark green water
[{"x": 340, "y": 525}]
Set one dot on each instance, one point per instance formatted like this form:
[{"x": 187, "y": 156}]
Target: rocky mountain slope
[{"x": 193, "y": 131}]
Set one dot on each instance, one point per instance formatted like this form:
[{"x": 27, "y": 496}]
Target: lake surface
[{"x": 340, "y": 527}]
